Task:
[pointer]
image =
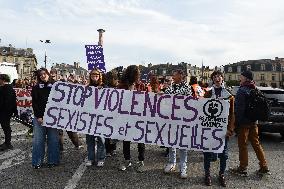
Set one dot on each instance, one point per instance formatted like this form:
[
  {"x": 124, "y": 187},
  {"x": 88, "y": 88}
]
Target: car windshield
[{"x": 274, "y": 94}]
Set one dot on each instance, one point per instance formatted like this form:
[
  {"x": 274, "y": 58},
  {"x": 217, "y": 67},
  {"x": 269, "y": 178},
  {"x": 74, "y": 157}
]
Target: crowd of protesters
[{"x": 130, "y": 80}]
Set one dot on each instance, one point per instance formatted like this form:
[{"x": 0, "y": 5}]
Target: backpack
[{"x": 257, "y": 106}]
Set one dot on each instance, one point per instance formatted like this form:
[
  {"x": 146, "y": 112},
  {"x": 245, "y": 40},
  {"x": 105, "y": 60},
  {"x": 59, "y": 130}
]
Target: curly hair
[
  {"x": 130, "y": 75},
  {"x": 100, "y": 82},
  {"x": 111, "y": 76},
  {"x": 216, "y": 72}
]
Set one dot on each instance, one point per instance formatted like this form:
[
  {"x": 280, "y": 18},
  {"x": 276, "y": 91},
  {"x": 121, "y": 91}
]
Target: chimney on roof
[
  {"x": 30, "y": 50},
  {"x": 76, "y": 65}
]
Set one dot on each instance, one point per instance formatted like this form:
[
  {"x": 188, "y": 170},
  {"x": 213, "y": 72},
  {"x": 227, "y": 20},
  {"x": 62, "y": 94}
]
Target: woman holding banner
[
  {"x": 218, "y": 91},
  {"x": 40, "y": 94},
  {"x": 111, "y": 81},
  {"x": 179, "y": 86},
  {"x": 131, "y": 81},
  {"x": 96, "y": 81}
]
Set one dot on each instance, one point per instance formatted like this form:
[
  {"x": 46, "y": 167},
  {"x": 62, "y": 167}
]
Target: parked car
[{"x": 275, "y": 123}]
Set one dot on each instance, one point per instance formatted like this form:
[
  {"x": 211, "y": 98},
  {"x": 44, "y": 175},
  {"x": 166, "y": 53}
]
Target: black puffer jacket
[
  {"x": 8, "y": 105},
  {"x": 40, "y": 94}
]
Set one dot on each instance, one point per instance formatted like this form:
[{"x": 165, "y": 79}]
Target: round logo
[{"x": 213, "y": 108}]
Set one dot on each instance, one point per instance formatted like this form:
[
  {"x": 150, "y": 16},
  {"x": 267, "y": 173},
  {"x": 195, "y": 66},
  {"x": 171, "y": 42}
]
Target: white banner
[{"x": 166, "y": 120}]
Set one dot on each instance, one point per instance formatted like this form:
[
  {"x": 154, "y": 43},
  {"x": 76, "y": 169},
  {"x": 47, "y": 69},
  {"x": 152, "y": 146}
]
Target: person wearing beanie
[
  {"x": 247, "y": 74},
  {"x": 247, "y": 130}
]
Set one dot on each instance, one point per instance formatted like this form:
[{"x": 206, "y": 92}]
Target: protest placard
[
  {"x": 167, "y": 120},
  {"x": 24, "y": 100},
  {"x": 95, "y": 57}
]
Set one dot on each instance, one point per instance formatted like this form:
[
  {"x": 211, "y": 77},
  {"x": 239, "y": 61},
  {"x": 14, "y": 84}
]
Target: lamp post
[{"x": 46, "y": 41}]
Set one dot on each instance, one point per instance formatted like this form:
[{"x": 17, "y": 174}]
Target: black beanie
[{"x": 247, "y": 74}]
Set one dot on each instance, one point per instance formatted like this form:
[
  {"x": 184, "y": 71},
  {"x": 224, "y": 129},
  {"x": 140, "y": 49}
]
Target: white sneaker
[
  {"x": 100, "y": 163},
  {"x": 126, "y": 164},
  {"x": 89, "y": 163},
  {"x": 183, "y": 173},
  {"x": 170, "y": 167}
]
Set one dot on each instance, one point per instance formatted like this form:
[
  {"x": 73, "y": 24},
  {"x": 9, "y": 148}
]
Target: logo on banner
[
  {"x": 212, "y": 110},
  {"x": 95, "y": 57}
]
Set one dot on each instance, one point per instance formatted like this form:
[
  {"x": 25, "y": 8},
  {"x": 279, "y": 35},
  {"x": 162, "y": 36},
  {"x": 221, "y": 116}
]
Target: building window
[
  {"x": 16, "y": 59},
  {"x": 238, "y": 76},
  {"x": 273, "y": 77},
  {"x": 230, "y": 77},
  {"x": 262, "y": 78},
  {"x": 230, "y": 69},
  {"x": 26, "y": 70},
  {"x": 248, "y": 67},
  {"x": 239, "y": 68},
  {"x": 4, "y": 59},
  {"x": 274, "y": 68},
  {"x": 262, "y": 67}
]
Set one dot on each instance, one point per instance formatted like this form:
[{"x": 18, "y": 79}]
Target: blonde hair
[{"x": 100, "y": 81}]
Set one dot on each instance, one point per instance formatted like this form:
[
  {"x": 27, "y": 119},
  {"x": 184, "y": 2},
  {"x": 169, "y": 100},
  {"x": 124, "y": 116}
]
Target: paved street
[{"x": 16, "y": 170}]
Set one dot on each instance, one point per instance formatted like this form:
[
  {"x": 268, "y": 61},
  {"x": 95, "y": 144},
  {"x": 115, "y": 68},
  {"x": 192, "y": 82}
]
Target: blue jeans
[
  {"x": 101, "y": 151},
  {"x": 210, "y": 156},
  {"x": 39, "y": 138},
  {"x": 182, "y": 154}
]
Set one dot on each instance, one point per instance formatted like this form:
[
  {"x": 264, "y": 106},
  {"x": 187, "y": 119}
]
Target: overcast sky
[{"x": 143, "y": 31}]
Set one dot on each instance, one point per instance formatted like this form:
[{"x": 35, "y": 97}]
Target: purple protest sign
[{"x": 95, "y": 57}]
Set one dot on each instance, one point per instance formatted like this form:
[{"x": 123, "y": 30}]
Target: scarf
[{"x": 224, "y": 93}]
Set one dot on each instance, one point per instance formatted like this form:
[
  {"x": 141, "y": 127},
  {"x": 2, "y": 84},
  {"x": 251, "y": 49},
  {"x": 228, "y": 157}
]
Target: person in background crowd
[
  {"x": 205, "y": 87},
  {"x": 218, "y": 91},
  {"x": 131, "y": 81},
  {"x": 154, "y": 85},
  {"x": 247, "y": 130},
  {"x": 167, "y": 83},
  {"x": 71, "y": 78},
  {"x": 196, "y": 89},
  {"x": 26, "y": 83},
  {"x": 96, "y": 81},
  {"x": 72, "y": 135},
  {"x": 53, "y": 75},
  {"x": 19, "y": 83},
  {"x": 179, "y": 86},
  {"x": 40, "y": 94},
  {"x": 14, "y": 83},
  {"x": 111, "y": 81},
  {"x": 8, "y": 107}
]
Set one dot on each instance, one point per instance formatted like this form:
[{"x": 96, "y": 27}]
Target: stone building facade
[
  {"x": 24, "y": 59},
  {"x": 266, "y": 72},
  {"x": 166, "y": 70},
  {"x": 65, "y": 70}
]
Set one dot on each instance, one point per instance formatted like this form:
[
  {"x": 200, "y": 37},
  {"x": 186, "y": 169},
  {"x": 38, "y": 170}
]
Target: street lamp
[{"x": 46, "y": 41}]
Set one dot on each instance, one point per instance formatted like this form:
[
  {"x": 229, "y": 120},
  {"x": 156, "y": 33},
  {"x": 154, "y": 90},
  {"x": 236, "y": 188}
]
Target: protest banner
[
  {"x": 24, "y": 100},
  {"x": 168, "y": 120},
  {"x": 24, "y": 106}
]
